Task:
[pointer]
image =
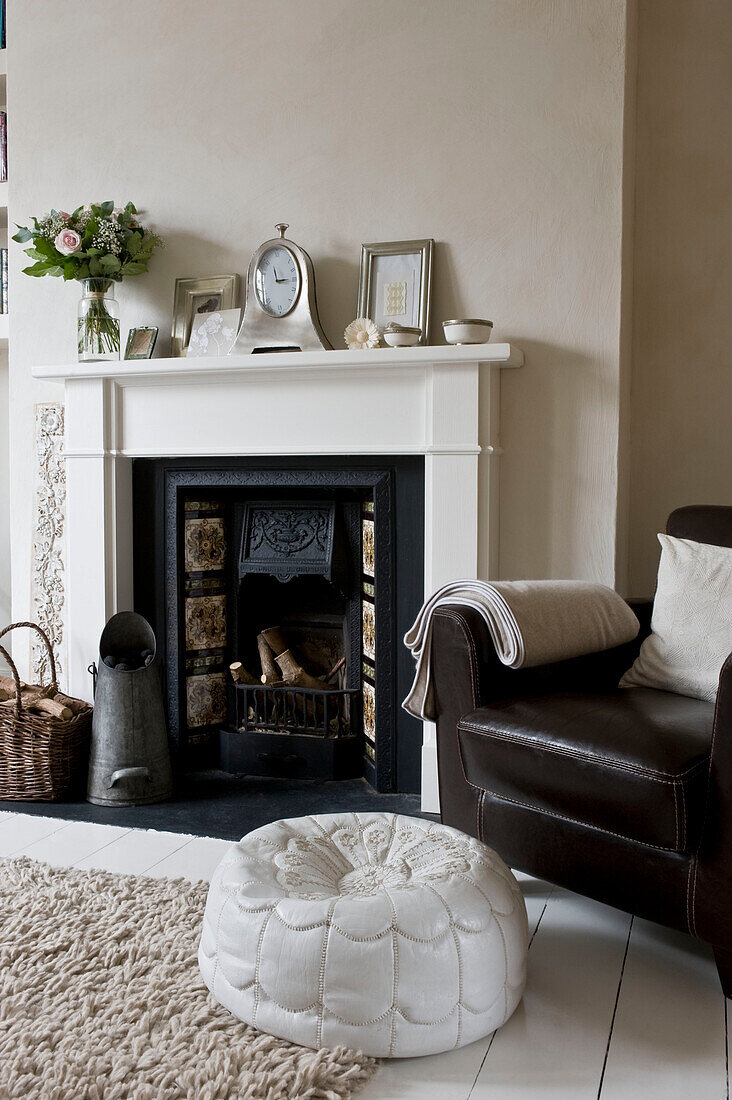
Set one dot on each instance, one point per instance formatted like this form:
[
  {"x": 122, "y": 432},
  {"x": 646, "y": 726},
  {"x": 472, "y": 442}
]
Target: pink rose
[{"x": 68, "y": 241}]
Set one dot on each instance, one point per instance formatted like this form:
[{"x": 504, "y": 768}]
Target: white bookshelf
[
  {"x": 4, "y": 203},
  {"x": 5, "y": 608}
]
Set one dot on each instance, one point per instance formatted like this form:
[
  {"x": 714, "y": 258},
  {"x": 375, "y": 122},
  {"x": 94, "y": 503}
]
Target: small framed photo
[
  {"x": 194, "y": 296},
  {"x": 396, "y": 284},
  {"x": 140, "y": 343}
]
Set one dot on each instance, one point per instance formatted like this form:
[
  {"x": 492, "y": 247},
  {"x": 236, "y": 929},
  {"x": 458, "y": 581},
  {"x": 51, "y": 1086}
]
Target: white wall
[
  {"x": 494, "y": 126},
  {"x": 682, "y": 364}
]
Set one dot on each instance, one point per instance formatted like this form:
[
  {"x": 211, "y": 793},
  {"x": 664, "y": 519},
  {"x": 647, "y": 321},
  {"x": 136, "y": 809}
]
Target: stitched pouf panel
[{"x": 388, "y": 934}]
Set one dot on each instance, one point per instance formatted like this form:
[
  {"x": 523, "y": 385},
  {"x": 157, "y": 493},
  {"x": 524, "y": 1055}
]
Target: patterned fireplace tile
[
  {"x": 369, "y": 717},
  {"x": 206, "y": 699},
  {"x": 205, "y": 622},
  {"x": 369, "y": 558},
  {"x": 205, "y": 544},
  {"x": 368, "y": 622}
]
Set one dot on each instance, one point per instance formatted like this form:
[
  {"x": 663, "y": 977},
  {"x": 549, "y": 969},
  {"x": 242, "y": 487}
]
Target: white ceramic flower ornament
[{"x": 362, "y": 333}]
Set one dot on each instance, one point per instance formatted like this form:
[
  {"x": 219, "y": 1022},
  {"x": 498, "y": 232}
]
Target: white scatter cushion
[
  {"x": 384, "y": 933},
  {"x": 691, "y": 627}
]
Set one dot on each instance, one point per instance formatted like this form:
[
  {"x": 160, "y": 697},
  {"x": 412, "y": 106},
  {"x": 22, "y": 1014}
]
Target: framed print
[
  {"x": 395, "y": 284},
  {"x": 194, "y": 296},
  {"x": 213, "y": 333},
  {"x": 140, "y": 343}
]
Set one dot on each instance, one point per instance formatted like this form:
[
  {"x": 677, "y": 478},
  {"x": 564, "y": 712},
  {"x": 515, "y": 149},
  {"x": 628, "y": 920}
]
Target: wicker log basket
[{"x": 43, "y": 756}]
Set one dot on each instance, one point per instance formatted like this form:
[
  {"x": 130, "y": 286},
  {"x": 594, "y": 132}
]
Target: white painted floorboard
[
  {"x": 19, "y": 830},
  {"x": 613, "y": 1009},
  {"x": 76, "y": 841},
  {"x": 574, "y": 967},
  {"x": 135, "y": 852},
  {"x": 669, "y": 1027},
  {"x": 196, "y": 860}
]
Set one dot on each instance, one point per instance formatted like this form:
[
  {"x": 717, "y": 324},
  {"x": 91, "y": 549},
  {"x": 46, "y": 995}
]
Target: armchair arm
[
  {"x": 467, "y": 674},
  {"x": 711, "y": 880},
  {"x": 463, "y": 657}
]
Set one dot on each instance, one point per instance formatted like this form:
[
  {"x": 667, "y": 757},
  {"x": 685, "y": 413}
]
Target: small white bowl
[
  {"x": 467, "y": 331},
  {"x": 399, "y": 336}
]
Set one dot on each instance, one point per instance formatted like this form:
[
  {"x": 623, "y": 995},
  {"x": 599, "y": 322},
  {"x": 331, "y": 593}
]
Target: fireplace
[
  {"x": 303, "y": 577},
  {"x": 439, "y": 405}
]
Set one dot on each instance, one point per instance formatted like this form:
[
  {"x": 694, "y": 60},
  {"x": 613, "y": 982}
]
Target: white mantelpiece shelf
[
  {"x": 281, "y": 363},
  {"x": 438, "y": 402}
]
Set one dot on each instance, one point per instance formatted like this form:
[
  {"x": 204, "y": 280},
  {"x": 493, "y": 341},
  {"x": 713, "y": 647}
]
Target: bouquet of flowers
[{"x": 99, "y": 244}]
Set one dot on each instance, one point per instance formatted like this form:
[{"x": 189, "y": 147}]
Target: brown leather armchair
[{"x": 622, "y": 795}]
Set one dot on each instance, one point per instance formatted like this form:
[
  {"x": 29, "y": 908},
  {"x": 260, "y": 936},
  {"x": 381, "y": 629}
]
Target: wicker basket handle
[{"x": 13, "y": 669}]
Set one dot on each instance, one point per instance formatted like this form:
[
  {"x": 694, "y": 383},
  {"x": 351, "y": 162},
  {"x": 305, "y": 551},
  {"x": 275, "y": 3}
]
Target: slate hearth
[
  {"x": 210, "y": 803},
  {"x": 204, "y": 578}
]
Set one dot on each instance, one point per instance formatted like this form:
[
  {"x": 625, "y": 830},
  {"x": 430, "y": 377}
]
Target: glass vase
[{"x": 98, "y": 324}]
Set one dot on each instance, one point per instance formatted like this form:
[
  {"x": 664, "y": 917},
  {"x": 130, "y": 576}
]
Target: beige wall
[
  {"x": 682, "y": 365},
  {"x": 495, "y": 126}
]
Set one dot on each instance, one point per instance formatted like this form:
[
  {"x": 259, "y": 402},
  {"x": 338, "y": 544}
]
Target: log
[
  {"x": 295, "y": 675},
  {"x": 30, "y": 694},
  {"x": 336, "y": 667},
  {"x": 275, "y": 639},
  {"x": 36, "y": 690},
  {"x": 40, "y": 704},
  {"x": 51, "y": 707},
  {"x": 41, "y": 699},
  {"x": 240, "y": 675},
  {"x": 270, "y": 675},
  {"x": 76, "y": 706},
  {"x": 8, "y": 683}
]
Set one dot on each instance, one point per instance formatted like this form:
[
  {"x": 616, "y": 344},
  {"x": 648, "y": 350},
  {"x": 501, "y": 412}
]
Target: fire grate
[{"x": 292, "y": 710}]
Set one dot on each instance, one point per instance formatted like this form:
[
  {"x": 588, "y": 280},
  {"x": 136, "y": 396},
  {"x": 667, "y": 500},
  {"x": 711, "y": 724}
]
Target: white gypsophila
[
  {"x": 108, "y": 237},
  {"x": 84, "y": 217},
  {"x": 50, "y": 225}
]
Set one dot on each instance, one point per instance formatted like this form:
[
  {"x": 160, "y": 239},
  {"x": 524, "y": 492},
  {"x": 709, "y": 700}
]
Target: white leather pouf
[{"x": 388, "y": 934}]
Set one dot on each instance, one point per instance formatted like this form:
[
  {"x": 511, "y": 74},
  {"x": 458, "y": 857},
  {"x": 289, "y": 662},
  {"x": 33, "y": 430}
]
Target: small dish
[
  {"x": 467, "y": 330},
  {"x": 400, "y": 336}
]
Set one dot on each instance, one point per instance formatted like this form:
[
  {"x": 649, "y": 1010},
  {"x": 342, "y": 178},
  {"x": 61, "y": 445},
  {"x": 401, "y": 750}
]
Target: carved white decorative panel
[{"x": 48, "y": 540}]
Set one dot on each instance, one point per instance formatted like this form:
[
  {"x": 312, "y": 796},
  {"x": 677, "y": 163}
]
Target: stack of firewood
[
  {"x": 40, "y": 700},
  {"x": 280, "y": 667}
]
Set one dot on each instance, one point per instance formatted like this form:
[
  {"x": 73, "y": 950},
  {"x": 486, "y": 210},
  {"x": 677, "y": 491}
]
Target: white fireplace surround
[{"x": 440, "y": 402}]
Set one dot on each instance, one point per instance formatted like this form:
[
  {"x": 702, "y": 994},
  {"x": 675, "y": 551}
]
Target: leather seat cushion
[{"x": 632, "y": 762}]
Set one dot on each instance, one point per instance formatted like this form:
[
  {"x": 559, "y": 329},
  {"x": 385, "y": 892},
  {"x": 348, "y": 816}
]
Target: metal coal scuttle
[{"x": 130, "y": 759}]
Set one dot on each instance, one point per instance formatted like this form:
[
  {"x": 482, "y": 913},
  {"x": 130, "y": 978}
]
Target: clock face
[{"x": 277, "y": 281}]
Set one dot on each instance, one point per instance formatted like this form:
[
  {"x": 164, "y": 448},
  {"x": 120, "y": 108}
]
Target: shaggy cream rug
[{"x": 101, "y": 999}]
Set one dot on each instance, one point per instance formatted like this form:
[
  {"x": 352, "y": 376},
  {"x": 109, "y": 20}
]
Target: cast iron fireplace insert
[{"x": 208, "y": 597}]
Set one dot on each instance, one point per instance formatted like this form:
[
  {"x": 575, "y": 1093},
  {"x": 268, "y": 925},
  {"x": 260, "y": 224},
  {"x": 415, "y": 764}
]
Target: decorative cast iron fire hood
[{"x": 287, "y": 539}]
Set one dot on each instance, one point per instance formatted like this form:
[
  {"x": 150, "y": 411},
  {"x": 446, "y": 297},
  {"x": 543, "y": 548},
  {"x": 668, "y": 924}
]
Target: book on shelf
[
  {"x": 3, "y": 147},
  {"x": 2, "y": 24}
]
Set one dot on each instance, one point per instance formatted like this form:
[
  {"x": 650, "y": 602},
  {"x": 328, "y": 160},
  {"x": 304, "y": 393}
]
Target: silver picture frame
[
  {"x": 193, "y": 296},
  {"x": 404, "y": 298},
  {"x": 141, "y": 342}
]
